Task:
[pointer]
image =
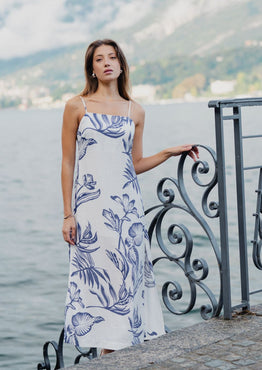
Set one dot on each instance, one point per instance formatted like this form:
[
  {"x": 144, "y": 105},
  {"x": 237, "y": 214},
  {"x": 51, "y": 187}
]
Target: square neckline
[
  {"x": 103, "y": 114},
  {"x": 106, "y": 114}
]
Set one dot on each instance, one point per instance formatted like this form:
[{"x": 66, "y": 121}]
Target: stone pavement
[{"x": 214, "y": 344}]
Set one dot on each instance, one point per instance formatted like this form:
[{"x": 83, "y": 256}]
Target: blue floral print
[
  {"x": 136, "y": 232},
  {"x": 136, "y": 327},
  {"x": 85, "y": 191},
  {"x": 116, "y": 303},
  {"x": 74, "y": 295},
  {"x": 83, "y": 144},
  {"x": 128, "y": 144},
  {"x": 119, "y": 261},
  {"x": 115, "y": 222},
  {"x": 82, "y": 323},
  {"x": 148, "y": 271},
  {"x": 83, "y": 261},
  {"x": 111, "y": 126},
  {"x": 130, "y": 175},
  {"x": 128, "y": 206}
]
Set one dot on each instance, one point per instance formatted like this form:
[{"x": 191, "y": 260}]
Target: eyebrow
[{"x": 101, "y": 55}]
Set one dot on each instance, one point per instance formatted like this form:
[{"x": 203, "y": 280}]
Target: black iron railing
[
  {"x": 195, "y": 270},
  {"x": 236, "y": 117}
]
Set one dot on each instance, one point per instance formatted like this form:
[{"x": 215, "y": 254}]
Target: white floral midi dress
[{"x": 112, "y": 300}]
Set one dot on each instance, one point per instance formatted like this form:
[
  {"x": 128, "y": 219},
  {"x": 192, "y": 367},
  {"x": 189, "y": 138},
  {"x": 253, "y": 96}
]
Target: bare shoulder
[
  {"x": 74, "y": 108},
  {"x": 138, "y": 113},
  {"x": 73, "y": 103}
]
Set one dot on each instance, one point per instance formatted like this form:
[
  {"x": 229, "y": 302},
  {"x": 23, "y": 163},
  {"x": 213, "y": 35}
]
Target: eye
[
  {"x": 98, "y": 60},
  {"x": 113, "y": 57}
]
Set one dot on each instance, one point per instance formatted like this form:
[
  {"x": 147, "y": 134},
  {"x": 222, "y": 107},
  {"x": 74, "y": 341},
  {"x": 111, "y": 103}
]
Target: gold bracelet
[{"x": 71, "y": 215}]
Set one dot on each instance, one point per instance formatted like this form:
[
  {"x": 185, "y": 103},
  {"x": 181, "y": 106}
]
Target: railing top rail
[{"x": 234, "y": 102}]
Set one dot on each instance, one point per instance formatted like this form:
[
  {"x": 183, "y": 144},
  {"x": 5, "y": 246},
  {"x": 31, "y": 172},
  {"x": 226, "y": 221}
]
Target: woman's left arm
[{"x": 143, "y": 164}]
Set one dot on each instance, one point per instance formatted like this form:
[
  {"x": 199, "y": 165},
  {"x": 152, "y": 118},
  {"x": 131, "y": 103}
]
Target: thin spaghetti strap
[
  {"x": 83, "y": 101},
  {"x": 129, "y": 109}
]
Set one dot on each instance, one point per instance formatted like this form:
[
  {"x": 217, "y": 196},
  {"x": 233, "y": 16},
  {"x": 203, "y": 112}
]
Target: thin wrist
[
  {"x": 67, "y": 210},
  {"x": 166, "y": 153},
  {"x": 68, "y": 216},
  {"x": 66, "y": 213}
]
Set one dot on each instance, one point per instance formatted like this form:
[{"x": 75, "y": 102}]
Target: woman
[{"x": 111, "y": 301}]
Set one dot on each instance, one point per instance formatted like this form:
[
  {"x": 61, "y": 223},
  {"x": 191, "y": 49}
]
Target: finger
[
  {"x": 192, "y": 155},
  {"x": 196, "y": 152},
  {"x": 73, "y": 234},
  {"x": 66, "y": 235},
  {"x": 195, "y": 149},
  {"x": 71, "y": 240},
  {"x": 66, "y": 239}
]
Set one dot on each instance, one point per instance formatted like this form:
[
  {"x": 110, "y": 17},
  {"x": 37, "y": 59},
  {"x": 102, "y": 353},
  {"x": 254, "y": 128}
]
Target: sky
[{"x": 27, "y": 26}]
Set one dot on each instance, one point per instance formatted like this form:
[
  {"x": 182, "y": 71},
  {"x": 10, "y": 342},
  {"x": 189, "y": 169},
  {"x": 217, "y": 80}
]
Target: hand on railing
[{"x": 178, "y": 150}]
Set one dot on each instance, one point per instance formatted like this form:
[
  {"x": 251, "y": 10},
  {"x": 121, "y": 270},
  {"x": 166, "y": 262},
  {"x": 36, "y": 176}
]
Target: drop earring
[{"x": 93, "y": 75}]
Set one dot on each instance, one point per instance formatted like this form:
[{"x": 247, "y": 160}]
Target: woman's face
[{"x": 106, "y": 65}]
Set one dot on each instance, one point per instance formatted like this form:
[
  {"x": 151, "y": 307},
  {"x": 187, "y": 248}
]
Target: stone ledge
[{"x": 175, "y": 344}]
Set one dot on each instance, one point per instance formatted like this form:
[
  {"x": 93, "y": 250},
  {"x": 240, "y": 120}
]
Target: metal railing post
[
  {"x": 225, "y": 265},
  {"x": 241, "y": 209}
]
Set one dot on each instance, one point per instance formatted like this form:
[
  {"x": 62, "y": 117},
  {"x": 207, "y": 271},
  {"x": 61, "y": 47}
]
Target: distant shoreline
[
  {"x": 144, "y": 103},
  {"x": 61, "y": 104}
]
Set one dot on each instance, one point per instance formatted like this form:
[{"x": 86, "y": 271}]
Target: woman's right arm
[{"x": 69, "y": 130}]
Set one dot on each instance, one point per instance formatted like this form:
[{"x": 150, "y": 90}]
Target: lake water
[{"x": 34, "y": 257}]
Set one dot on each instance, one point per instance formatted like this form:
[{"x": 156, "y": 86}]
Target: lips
[{"x": 108, "y": 70}]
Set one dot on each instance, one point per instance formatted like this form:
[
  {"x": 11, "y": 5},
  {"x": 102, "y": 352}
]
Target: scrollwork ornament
[
  {"x": 202, "y": 168},
  {"x": 90, "y": 354},
  {"x": 257, "y": 254},
  {"x": 166, "y": 196},
  {"x": 58, "y": 348},
  {"x": 200, "y": 265},
  {"x": 205, "y": 311},
  {"x": 175, "y": 294},
  {"x": 195, "y": 271},
  {"x": 257, "y": 241}
]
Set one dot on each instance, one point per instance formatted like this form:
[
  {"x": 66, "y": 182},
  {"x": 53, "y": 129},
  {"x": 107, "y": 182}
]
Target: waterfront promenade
[{"x": 214, "y": 344}]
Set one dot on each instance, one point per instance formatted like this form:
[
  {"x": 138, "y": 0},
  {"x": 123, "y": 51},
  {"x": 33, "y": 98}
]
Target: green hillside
[
  {"x": 173, "y": 76},
  {"x": 10, "y": 66},
  {"x": 243, "y": 65}
]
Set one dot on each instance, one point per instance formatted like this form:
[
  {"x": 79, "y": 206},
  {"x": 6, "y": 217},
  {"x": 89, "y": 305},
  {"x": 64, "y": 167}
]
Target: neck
[{"x": 107, "y": 92}]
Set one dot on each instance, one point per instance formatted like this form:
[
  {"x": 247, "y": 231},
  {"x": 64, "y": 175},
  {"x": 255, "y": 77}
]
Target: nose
[{"x": 107, "y": 62}]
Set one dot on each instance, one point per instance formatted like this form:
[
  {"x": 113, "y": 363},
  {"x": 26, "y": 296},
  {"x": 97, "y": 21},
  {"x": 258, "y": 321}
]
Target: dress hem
[{"x": 116, "y": 346}]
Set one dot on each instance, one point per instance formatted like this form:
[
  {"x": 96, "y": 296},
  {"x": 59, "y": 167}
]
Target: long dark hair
[{"x": 92, "y": 83}]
